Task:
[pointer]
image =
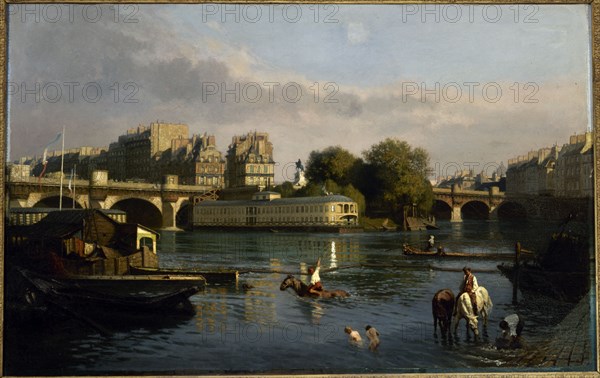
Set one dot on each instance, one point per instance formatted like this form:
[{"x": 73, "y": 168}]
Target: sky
[{"x": 473, "y": 85}]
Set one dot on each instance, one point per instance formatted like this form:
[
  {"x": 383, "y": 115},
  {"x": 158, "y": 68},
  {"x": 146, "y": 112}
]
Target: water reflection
[
  {"x": 259, "y": 328},
  {"x": 316, "y": 311},
  {"x": 332, "y": 258}
]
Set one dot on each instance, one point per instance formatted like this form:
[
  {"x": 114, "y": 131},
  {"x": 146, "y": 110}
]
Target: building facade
[
  {"x": 468, "y": 180},
  {"x": 209, "y": 165},
  {"x": 560, "y": 171},
  {"x": 268, "y": 209},
  {"x": 250, "y": 161}
]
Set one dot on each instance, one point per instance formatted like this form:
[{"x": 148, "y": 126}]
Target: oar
[{"x": 402, "y": 247}]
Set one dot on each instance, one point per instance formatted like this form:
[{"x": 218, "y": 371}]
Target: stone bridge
[
  {"x": 456, "y": 204},
  {"x": 153, "y": 205}
]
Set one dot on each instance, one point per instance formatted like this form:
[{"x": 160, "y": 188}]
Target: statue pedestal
[{"x": 300, "y": 180}]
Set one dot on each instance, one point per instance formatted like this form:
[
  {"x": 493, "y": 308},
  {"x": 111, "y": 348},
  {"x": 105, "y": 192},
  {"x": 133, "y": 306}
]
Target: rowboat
[{"x": 412, "y": 251}]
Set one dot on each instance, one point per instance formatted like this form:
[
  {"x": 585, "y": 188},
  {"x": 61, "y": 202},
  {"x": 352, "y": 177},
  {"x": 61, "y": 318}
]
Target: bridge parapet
[
  {"x": 46, "y": 181},
  {"x": 456, "y": 197},
  {"x": 461, "y": 192},
  {"x": 110, "y": 184}
]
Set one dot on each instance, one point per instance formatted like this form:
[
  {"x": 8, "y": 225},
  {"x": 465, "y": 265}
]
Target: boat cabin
[{"x": 82, "y": 237}]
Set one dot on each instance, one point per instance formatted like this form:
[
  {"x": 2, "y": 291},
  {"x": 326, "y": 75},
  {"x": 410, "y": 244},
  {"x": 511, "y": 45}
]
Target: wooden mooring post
[{"x": 516, "y": 272}]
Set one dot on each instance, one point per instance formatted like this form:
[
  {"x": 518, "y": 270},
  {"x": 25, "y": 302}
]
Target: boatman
[
  {"x": 469, "y": 285},
  {"x": 314, "y": 284},
  {"x": 430, "y": 243}
]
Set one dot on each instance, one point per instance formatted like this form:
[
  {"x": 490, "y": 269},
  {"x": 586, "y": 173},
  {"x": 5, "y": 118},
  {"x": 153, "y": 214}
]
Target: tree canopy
[
  {"x": 333, "y": 163},
  {"x": 391, "y": 174},
  {"x": 398, "y": 173}
]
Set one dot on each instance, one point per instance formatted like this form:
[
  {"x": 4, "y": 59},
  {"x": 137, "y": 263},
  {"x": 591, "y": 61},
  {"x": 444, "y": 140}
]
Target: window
[{"x": 146, "y": 242}]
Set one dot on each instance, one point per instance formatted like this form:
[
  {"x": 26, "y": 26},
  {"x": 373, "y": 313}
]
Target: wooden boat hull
[
  {"x": 132, "y": 285},
  {"x": 567, "y": 286},
  {"x": 211, "y": 277},
  {"x": 94, "y": 293},
  {"x": 411, "y": 251}
]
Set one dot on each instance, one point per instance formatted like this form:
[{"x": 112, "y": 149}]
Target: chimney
[
  {"x": 573, "y": 139},
  {"x": 589, "y": 142}
]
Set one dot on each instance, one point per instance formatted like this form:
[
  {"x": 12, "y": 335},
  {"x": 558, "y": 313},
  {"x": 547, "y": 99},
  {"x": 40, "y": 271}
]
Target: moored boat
[
  {"x": 439, "y": 252},
  {"x": 131, "y": 294},
  {"x": 211, "y": 276}
]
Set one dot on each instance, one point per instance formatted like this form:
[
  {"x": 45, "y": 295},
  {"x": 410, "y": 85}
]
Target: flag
[
  {"x": 45, "y": 157},
  {"x": 56, "y": 139},
  {"x": 71, "y": 180}
]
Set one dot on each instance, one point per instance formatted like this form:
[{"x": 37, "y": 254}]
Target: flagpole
[
  {"x": 73, "y": 177},
  {"x": 62, "y": 165}
]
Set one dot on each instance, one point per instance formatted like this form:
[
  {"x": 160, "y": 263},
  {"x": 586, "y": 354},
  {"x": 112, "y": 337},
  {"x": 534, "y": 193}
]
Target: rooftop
[{"x": 282, "y": 201}]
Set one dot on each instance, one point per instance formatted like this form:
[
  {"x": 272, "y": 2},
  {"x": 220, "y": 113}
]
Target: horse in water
[
  {"x": 442, "y": 305},
  {"x": 302, "y": 289},
  {"x": 464, "y": 310}
]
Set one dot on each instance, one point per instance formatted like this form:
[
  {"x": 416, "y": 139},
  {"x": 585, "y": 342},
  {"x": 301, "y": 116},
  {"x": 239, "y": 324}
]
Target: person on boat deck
[
  {"x": 469, "y": 285},
  {"x": 430, "y": 243},
  {"x": 314, "y": 284}
]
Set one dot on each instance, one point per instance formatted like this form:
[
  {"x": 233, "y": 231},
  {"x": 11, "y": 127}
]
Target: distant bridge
[
  {"x": 155, "y": 205},
  {"x": 456, "y": 204},
  {"x": 168, "y": 205},
  {"x": 475, "y": 203}
]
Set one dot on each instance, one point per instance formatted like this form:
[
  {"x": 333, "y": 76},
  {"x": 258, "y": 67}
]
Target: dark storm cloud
[{"x": 110, "y": 77}]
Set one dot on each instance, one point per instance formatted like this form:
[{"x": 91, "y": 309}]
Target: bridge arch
[
  {"x": 475, "y": 209},
  {"x": 184, "y": 214},
  {"x": 511, "y": 210},
  {"x": 441, "y": 209},
  {"x": 52, "y": 200},
  {"x": 140, "y": 210}
]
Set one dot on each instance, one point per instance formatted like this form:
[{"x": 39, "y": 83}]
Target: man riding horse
[
  {"x": 314, "y": 284},
  {"x": 469, "y": 285}
]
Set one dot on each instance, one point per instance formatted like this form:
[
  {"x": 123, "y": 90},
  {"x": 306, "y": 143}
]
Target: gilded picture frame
[{"x": 595, "y": 84}]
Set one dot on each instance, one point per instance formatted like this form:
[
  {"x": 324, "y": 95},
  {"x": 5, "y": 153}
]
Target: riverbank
[{"x": 571, "y": 347}]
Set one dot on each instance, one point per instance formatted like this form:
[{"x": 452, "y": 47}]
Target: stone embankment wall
[{"x": 572, "y": 345}]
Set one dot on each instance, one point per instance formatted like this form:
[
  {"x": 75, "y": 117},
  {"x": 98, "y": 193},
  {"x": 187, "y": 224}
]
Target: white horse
[{"x": 464, "y": 310}]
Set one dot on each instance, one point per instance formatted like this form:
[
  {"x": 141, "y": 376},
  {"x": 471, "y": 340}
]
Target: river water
[{"x": 263, "y": 329}]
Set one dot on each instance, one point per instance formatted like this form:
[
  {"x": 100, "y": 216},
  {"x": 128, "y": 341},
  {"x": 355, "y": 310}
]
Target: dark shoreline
[{"x": 275, "y": 229}]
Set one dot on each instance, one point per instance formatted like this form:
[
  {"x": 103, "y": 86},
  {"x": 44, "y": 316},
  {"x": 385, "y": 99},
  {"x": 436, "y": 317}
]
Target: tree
[
  {"x": 313, "y": 189},
  {"x": 398, "y": 175},
  {"x": 286, "y": 189},
  {"x": 333, "y": 163}
]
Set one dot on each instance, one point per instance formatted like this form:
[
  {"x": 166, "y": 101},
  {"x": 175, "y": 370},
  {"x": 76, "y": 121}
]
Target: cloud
[
  {"x": 357, "y": 33},
  {"x": 210, "y": 82}
]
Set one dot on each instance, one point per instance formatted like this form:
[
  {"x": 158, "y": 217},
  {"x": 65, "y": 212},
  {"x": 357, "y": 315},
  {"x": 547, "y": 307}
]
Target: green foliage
[
  {"x": 286, "y": 189},
  {"x": 333, "y": 163},
  {"x": 312, "y": 189},
  {"x": 398, "y": 174},
  {"x": 393, "y": 175}
]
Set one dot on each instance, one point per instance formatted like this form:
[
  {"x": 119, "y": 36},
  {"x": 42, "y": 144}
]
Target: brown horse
[
  {"x": 442, "y": 305},
  {"x": 302, "y": 290}
]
